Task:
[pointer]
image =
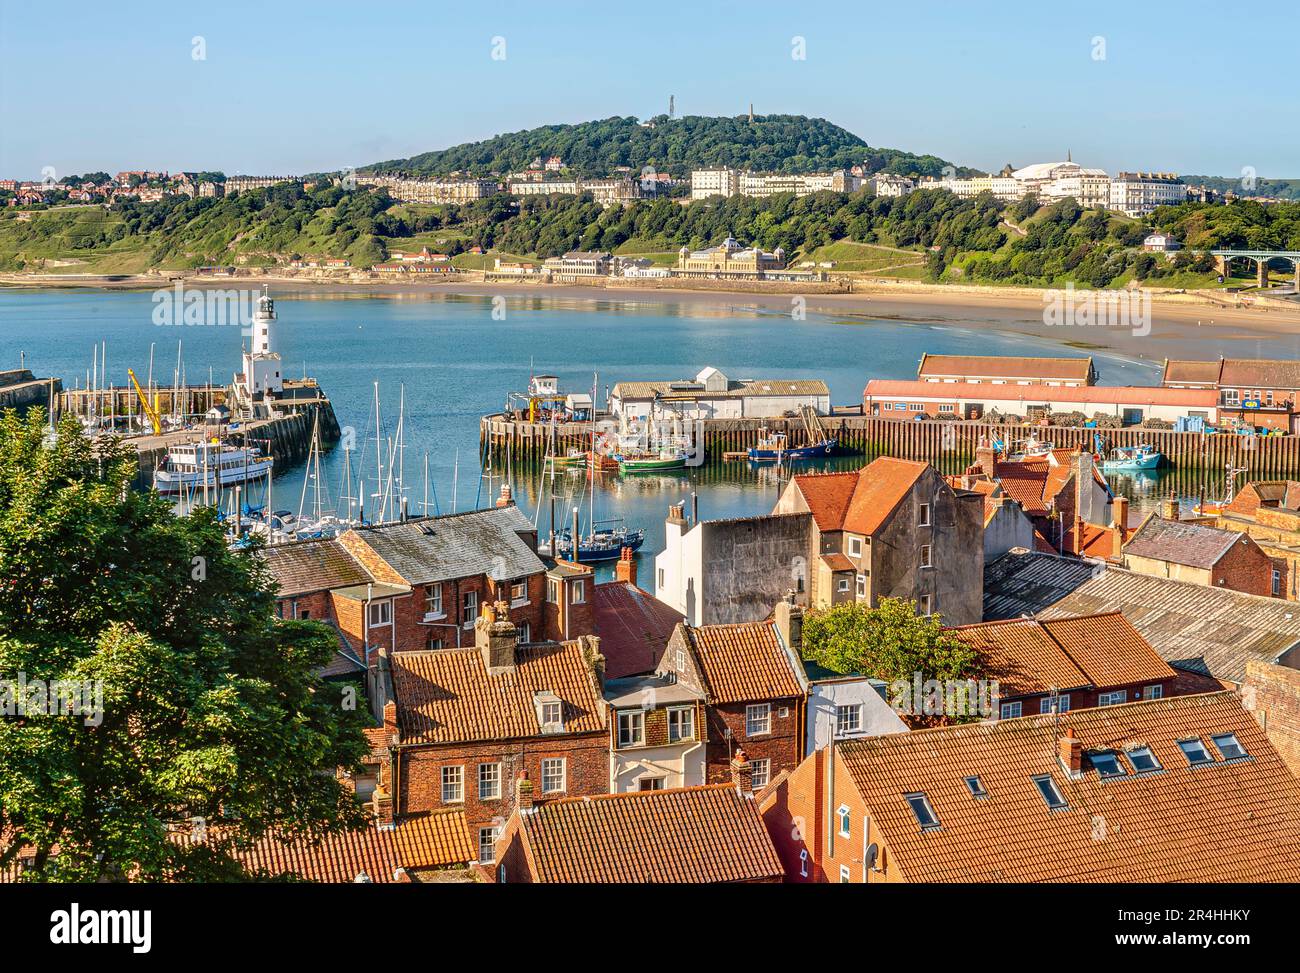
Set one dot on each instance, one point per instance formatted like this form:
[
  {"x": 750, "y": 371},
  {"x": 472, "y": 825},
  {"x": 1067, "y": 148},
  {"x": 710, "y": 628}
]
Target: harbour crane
[{"x": 154, "y": 419}]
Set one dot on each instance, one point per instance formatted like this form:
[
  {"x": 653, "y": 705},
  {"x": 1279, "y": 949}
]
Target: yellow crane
[{"x": 149, "y": 410}]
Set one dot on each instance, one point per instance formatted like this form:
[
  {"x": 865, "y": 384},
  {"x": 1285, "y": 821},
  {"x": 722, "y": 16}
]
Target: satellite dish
[{"x": 873, "y": 851}]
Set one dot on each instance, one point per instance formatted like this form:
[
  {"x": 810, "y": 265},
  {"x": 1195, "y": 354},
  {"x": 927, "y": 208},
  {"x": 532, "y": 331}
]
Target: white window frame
[
  {"x": 517, "y": 599},
  {"x": 495, "y": 831},
  {"x": 385, "y": 613},
  {"x": 926, "y": 606},
  {"x": 453, "y": 776},
  {"x": 760, "y": 773},
  {"x": 927, "y": 555},
  {"x": 578, "y": 593},
  {"x": 468, "y": 606},
  {"x": 843, "y": 585},
  {"x": 552, "y": 591},
  {"x": 549, "y": 765},
  {"x": 1062, "y": 704},
  {"x": 684, "y": 718},
  {"x": 845, "y": 819},
  {"x": 492, "y": 792},
  {"x": 758, "y": 714},
  {"x": 846, "y": 876},
  {"x": 552, "y": 708},
  {"x": 1118, "y": 698},
  {"x": 635, "y": 723},
  {"x": 841, "y": 727},
  {"x": 855, "y": 547},
  {"x": 923, "y": 517},
  {"x": 862, "y": 586},
  {"x": 1010, "y": 711},
  {"x": 433, "y": 601},
  {"x": 1155, "y": 692}
]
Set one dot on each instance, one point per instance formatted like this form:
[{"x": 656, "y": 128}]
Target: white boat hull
[{"x": 167, "y": 481}]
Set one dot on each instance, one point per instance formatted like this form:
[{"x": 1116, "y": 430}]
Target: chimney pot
[
  {"x": 625, "y": 570},
  {"x": 507, "y": 496},
  {"x": 742, "y": 772}
]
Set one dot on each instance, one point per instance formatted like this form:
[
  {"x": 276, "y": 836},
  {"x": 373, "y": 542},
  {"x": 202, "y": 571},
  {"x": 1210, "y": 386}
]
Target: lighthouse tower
[{"x": 262, "y": 375}]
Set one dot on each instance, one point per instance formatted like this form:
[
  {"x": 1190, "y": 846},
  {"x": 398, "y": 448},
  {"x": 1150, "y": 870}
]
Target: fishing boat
[
  {"x": 776, "y": 448},
  {"x": 210, "y": 465},
  {"x": 1031, "y": 448},
  {"x": 663, "y": 460},
  {"x": 1128, "y": 459},
  {"x": 604, "y": 543}
]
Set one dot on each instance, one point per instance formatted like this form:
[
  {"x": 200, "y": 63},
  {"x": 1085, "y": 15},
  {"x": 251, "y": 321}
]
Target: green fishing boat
[{"x": 663, "y": 461}]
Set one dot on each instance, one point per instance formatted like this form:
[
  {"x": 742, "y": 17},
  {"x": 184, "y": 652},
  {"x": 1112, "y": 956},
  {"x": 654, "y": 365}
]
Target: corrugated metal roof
[{"x": 1023, "y": 583}]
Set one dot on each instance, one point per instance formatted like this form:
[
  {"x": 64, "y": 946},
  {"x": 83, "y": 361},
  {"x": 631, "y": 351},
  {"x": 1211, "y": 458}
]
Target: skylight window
[
  {"x": 976, "y": 787},
  {"x": 920, "y": 806},
  {"x": 1142, "y": 759},
  {"x": 1051, "y": 793},
  {"x": 1106, "y": 763},
  {"x": 1195, "y": 752},
  {"x": 1229, "y": 747}
]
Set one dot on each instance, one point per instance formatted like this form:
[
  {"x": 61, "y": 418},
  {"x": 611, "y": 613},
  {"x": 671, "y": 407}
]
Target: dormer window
[{"x": 550, "y": 712}]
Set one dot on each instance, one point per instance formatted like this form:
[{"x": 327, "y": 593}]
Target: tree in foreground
[
  {"x": 145, "y": 681},
  {"x": 893, "y": 643}
]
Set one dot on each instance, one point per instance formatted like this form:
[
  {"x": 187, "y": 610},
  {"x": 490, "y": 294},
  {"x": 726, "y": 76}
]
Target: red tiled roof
[
  {"x": 435, "y": 840},
  {"x": 633, "y": 628},
  {"x": 1029, "y": 657},
  {"x": 859, "y": 502},
  {"x": 1022, "y": 395},
  {"x": 743, "y": 662},
  {"x": 447, "y": 695},
  {"x": 687, "y": 835},
  {"x": 1231, "y": 821},
  {"x": 977, "y": 366}
]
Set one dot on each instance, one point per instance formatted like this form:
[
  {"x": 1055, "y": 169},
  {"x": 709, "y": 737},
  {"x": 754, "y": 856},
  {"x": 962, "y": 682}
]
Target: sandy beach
[{"x": 1175, "y": 318}]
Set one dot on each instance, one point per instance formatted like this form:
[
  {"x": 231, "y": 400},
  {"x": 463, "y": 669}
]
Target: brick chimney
[
  {"x": 382, "y": 803},
  {"x": 1119, "y": 525},
  {"x": 524, "y": 792},
  {"x": 789, "y": 623},
  {"x": 496, "y": 637},
  {"x": 507, "y": 498},
  {"x": 1071, "y": 753},
  {"x": 742, "y": 772},
  {"x": 625, "y": 570},
  {"x": 677, "y": 513},
  {"x": 1169, "y": 508},
  {"x": 986, "y": 457}
]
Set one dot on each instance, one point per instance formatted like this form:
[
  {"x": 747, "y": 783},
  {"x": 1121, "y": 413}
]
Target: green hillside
[{"x": 777, "y": 143}]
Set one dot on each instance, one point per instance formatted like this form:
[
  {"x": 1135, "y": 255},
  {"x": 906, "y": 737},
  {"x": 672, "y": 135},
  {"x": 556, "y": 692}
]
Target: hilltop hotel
[{"x": 1130, "y": 193}]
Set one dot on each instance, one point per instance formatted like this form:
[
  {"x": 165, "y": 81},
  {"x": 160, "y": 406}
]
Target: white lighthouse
[{"x": 261, "y": 360}]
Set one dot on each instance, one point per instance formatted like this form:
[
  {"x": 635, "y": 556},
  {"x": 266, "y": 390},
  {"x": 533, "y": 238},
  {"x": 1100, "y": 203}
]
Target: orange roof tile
[
  {"x": 436, "y": 840},
  {"x": 1028, "y": 657},
  {"x": 686, "y": 835},
  {"x": 743, "y": 662},
  {"x": 860, "y": 501},
  {"x": 447, "y": 696},
  {"x": 1230, "y": 821}
]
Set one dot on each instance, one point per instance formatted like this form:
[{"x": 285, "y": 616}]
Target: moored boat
[
  {"x": 664, "y": 460},
  {"x": 602, "y": 544},
  {"x": 210, "y": 464},
  {"x": 776, "y": 448},
  {"x": 1127, "y": 459}
]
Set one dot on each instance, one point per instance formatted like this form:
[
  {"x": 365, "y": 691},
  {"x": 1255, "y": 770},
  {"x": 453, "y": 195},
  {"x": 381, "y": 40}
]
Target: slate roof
[
  {"x": 685, "y": 835},
  {"x": 305, "y": 567},
  {"x": 1229, "y": 821},
  {"x": 1213, "y": 631},
  {"x": 977, "y": 366},
  {"x": 1026, "y": 582},
  {"x": 1181, "y": 542},
  {"x": 447, "y": 695},
  {"x": 633, "y": 627},
  {"x": 743, "y": 662},
  {"x": 455, "y": 546}
]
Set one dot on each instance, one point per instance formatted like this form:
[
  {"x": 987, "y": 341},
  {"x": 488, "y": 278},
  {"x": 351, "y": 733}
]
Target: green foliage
[
  {"x": 1274, "y": 188},
  {"x": 211, "y": 707},
  {"x": 776, "y": 143},
  {"x": 890, "y": 642}
]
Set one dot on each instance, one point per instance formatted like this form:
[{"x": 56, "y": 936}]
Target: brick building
[
  {"x": 1186, "y": 789},
  {"x": 461, "y": 724},
  {"x": 1201, "y": 554},
  {"x": 1254, "y": 392},
  {"x": 1271, "y": 693},
  {"x": 420, "y": 584},
  {"x": 1070, "y": 663},
  {"x": 755, "y": 692},
  {"x": 695, "y": 835},
  {"x": 1269, "y": 513}
]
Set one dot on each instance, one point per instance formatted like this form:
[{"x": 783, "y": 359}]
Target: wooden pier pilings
[{"x": 949, "y": 446}]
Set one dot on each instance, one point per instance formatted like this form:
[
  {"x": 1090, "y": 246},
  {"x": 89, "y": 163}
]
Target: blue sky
[{"x": 1192, "y": 87}]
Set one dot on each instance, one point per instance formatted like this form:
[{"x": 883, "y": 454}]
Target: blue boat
[
  {"x": 1129, "y": 459},
  {"x": 775, "y": 448}
]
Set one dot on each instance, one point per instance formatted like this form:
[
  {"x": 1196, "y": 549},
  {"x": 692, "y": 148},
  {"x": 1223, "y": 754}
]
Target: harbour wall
[
  {"x": 948, "y": 446},
  {"x": 21, "y": 390}
]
